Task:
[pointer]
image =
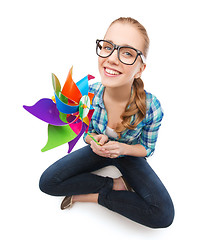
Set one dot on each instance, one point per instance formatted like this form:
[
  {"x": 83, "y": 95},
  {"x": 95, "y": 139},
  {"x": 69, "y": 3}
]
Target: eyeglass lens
[{"x": 126, "y": 55}]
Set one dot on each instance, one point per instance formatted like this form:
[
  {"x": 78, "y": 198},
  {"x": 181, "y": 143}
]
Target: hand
[
  {"x": 114, "y": 149},
  {"x": 99, "y": 149},
  {"x": 101, "y": 138}
]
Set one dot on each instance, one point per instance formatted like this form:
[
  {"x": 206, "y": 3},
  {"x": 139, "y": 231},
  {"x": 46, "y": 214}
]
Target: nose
[{"x": 113, "y": 58}]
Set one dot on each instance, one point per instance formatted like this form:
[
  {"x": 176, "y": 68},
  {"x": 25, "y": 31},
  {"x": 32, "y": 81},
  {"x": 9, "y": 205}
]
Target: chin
[{"x": 109, "y": 83}]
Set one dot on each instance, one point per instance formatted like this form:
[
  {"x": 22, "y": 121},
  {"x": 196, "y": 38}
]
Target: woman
[{"x": 125, "y": 122}]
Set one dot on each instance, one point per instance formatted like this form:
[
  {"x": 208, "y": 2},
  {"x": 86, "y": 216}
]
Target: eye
[
  {"x": 107, "y": 48},
  {"x": 128, "y": 54}
]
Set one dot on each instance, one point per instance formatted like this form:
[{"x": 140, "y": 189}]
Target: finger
[
  {"x": 114, "y": 152},
  {"x": 111, "y": 143},
  {"x": 93, "y": 143},
  {"x": 98, "y": 148},
  {"x": 110, "y": 147},
  {"x": 103, "y": 140}
]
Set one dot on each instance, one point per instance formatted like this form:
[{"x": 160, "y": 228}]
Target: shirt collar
[{"x": 100, "y": 96}]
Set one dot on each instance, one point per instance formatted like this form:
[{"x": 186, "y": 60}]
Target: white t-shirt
[{"x": 110, "y": 132}]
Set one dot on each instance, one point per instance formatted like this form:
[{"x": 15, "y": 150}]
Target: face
[{"x": 113, "y": 72}]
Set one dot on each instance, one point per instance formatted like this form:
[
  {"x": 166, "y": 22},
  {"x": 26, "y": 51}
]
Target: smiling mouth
[{"x": 111, "y": 71}]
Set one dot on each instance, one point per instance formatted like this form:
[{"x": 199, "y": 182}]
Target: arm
[
  {"x": 134, "y": 150},
  {"x": 150, "y": 131},
  {"x": 115, "y": 149}
]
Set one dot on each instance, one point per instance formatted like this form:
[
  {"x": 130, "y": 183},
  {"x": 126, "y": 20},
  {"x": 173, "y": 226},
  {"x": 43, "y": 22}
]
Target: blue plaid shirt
[{"x": 145, "y": 133}]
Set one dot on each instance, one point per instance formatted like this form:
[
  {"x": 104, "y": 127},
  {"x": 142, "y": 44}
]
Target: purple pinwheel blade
[
  {"x": 46, "y": 110},
  {"x": 72, "y": 143}
]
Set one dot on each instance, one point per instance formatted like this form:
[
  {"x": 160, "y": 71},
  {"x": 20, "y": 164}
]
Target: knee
[
  {"x": 45, "y": 184},
  {"x": 164, "y": 216}
]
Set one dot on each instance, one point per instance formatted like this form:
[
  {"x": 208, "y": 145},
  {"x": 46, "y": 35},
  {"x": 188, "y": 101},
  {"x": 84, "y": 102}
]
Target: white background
[{"x": 41, "y": 37}]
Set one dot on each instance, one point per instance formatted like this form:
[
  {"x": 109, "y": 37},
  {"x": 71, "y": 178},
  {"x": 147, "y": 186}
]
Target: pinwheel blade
[
  {"x": 68, "y": 115},
  {"x": 91, "y": 96},
  {"x": 76, "y": 127},
  {"x": 72, "y": 118},
  {"x": 83, "y": 84},
  {"x": 65, "y": 108},
  {"x": 46, "y": 110},
  {"x": 58, "y": 135},
  {"x": 57, "y": 89},
  {"x": 56, "y": 83},
  {"x": 90, "y": 114},
  {"x": 72, "y": 143},
  {"x": 70, "y": 90}
]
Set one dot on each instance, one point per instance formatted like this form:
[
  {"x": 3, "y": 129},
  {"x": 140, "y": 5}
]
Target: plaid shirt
[{"x": 145, "y": 133}]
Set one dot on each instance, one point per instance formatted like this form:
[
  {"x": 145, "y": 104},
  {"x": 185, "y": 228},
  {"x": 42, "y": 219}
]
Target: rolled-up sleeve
[{"x": 149, "y": 134}]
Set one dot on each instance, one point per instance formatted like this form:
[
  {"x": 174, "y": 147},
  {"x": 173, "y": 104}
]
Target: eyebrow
[{"x": 124, "y": 45}]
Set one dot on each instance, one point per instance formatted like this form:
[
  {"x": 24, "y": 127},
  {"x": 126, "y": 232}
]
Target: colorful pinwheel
[{"x": 68, "y": 114}]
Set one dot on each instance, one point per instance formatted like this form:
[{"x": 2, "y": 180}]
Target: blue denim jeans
[{"x": 149, "y": 204}]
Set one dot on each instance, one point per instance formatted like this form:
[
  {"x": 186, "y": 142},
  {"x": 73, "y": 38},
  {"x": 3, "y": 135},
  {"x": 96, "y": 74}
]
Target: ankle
[
  {"x": 118, "y": 184},
  {"x": 92, "y": 197}
]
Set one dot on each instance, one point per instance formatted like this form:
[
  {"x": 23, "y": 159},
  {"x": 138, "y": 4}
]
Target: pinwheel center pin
[{"x": 84, "y": 106}]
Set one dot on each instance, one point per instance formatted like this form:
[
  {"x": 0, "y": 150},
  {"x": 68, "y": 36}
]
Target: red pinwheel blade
[
  {"x": 76, "y": 126},
  {"x": 70, "y": 89},
  {"x": 90, "y": 114},
  {"x": 91, "y": 96}
]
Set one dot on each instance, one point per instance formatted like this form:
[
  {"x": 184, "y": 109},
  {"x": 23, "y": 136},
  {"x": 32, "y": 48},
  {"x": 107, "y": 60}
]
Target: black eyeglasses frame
[{"x": 117, "y": 47}]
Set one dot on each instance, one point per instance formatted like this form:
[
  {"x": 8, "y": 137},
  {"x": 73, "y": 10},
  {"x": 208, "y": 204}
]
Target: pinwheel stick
[{"x": 93, "y": 138}]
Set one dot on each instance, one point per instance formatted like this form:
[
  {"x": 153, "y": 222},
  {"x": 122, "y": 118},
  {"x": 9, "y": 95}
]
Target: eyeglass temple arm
[{"x": 143, "y": 58}]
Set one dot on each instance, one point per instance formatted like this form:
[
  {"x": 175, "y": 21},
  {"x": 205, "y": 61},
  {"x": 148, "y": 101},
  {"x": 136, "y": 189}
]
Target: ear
[{"x": 139, "y": 73}]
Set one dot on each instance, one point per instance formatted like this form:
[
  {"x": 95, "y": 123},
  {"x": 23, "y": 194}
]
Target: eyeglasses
[{"x": 126, "y": 54}]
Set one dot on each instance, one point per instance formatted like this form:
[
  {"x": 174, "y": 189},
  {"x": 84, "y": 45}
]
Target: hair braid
[{"x": 136, "y": 106}]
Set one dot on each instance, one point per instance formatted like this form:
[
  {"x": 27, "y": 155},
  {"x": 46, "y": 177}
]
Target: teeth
[{"x": 110, "y": 71}]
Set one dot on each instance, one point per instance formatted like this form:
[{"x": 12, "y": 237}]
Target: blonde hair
[{"x": 137, "y": 103}]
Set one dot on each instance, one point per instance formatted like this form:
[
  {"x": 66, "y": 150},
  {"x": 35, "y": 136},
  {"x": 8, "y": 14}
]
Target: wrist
[
  {"x": 133, "y": 150},
  {"x": 124, "y": 149}
]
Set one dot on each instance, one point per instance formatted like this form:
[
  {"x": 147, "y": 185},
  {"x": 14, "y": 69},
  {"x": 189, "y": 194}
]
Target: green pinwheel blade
[
  {"x": 58, "y": 135},
  {"x": 57, "y": 89},
  {"x": 63, "y": 117},
  {"x": 56, "y": 83}
]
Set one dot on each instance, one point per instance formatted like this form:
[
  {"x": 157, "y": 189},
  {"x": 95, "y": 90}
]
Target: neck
[{"x": 118, "y": 94}]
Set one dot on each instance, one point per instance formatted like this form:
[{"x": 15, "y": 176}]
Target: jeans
[{"x": 149, "y": 204}]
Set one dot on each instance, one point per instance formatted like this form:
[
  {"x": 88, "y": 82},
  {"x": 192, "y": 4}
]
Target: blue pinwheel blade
[
  {"x": 83, "y": 85},
  {"x": 64, "y": 108}
]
